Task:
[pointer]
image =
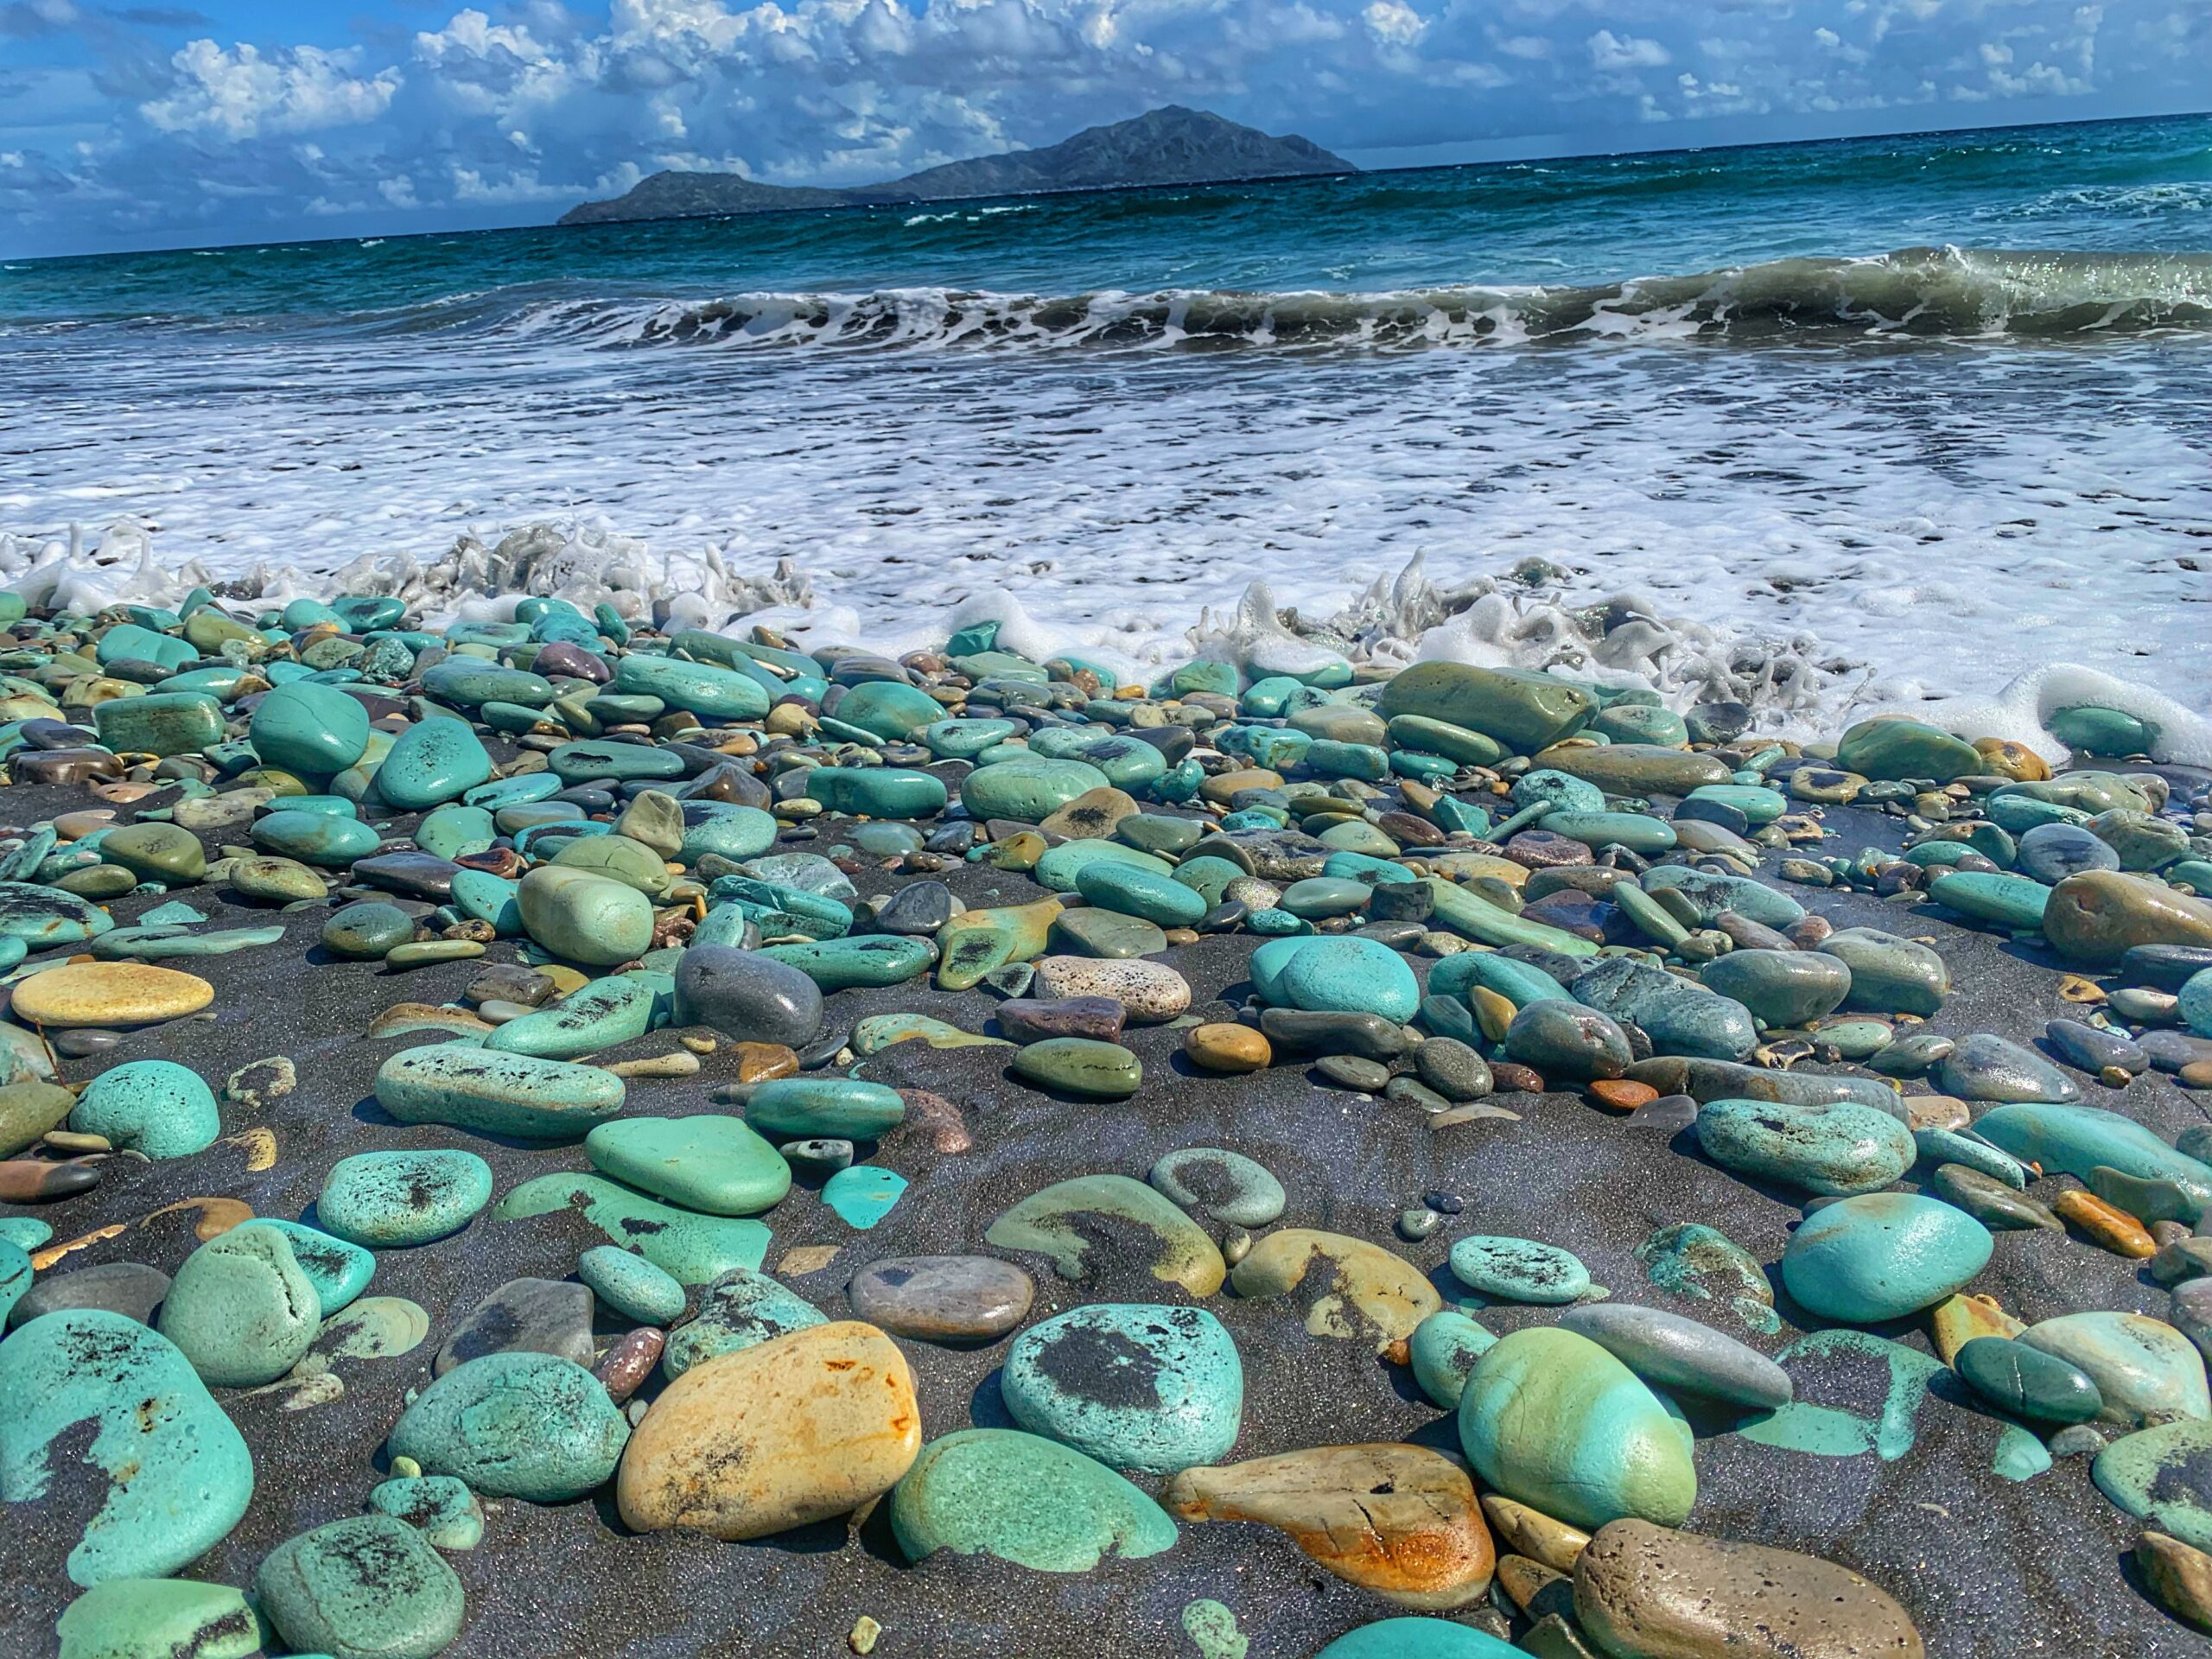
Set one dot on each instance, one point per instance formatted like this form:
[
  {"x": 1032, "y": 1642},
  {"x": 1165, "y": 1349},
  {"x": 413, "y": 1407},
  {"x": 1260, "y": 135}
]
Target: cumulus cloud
[{"x": 149, "y": 124}]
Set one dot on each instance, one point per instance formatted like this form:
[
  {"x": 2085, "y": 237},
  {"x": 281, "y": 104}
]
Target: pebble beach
[{"x": 588, "y": 1134}]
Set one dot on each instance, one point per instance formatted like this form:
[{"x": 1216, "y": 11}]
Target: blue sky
[{"x": 215, "y": 121}]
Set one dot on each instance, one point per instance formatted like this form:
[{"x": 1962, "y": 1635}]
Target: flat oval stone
[
  {"x": 1354, "y": 1291},
  {"x": 1136, "y": 1386},
  {"x": 493, "y": 1093},
  {"x": 42, "y": 916},
  {"x": 1836, "y": 1148},
  {"x": 1401, "y": 1521},
  {"x": 949, "y": 1298},
  {"x": 1882, "y": 1255},
  {"x": 1889, "y": 975},
  {"x": 173, "y": 1475},
  {"x": 631, "y": 1286},
  {"x": 313, "y": 730},
  {"x": 1644, "y": 1589},
  {"x": 535, "y": 1316},
  {"x": 1551, "y": 1418},
  {"x": 841, "y": 1108},
  {"x": 1678, "y": 1017},
  {"x": 2096, "y": 917},
  {"x": 1027, "y": 788},
  {"x": 366, "y": 931},
  {"x": 1987, "y": 1067},
  {"x": 1671, "y": 1352},
  {"x": 2145, "y": 1370},
  {"x": 585, "y": 918},
  {"x": 1346, "y": 974},
  {"x": 389, "y": 1199},
  {"x": 1070, "y": 1219},
  {"x": 240, "y": 1310},
  {"x": 1416, "y": 1638},
  {"x": 747, "y": 996},
  {"x": 1150, "y": 993},
  {"x": 515, "y": 1425},
  {"x": 1518, "y": 1269},
  {"x": 797, "y": 1429},
  {"x": 431, "y": 762},
  {"x": 1024, "y": 1499},
  {"x": 124, "y": 1618},
  {"x": 1076, "y": 1065},
  {"x": 130, "y": 1288},
  {"x": 2160, "y": 1474},
  {"x": 157, "y": 1107},
  {"x": 2027, "y": 1381},
  {"x": 709, "y": 1163},
  {"x": 1781, "y": 987},
  {"x": 319, "y": 838},
  {"x": 1227, "y": 1186},
  {"x": 2077, "y": 1139},
  {"x": 108, "y": 994},
  {"x": 695, "y": 1249},
  {"x": 368, "y": 1587},
  {"x": 1443, "y": 1351}
]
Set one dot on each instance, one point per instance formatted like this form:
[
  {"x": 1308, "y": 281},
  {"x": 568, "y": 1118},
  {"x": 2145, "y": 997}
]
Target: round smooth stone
[
  {"x": 313, "y": 730},
  {"x": 1134, "y": 891},
  {"x": 515, "y": 1425},
  {"x": 240, "y": 1310},
  {"x": 1136, "y": 1387},
  {"x": 1565, "y": 1039},
  {"x": 366, "y": 931},
  {"x": 1835, "y": 1148},
  {"x": 439, "y": 1507},
  {"x": 1518, "y": 1269},
  {"x": 747, "y": 996},
  {"x": 949, "y": 1298},
  {"x": 496, "y": 1093},
  {"x": 319, "y": 838},
  {"x": 631, "y": 1286},
  {"x": 368, "y": 1587},
  {"x": 275, "y": 881},
  {"x": 1781, "y": 987},
  {"x": 1027, "y": 788},
  {"x": 2028, "y": 1382},
  {"x": 157, "y": 1107},
  {"x": 1681, "y": 1355},
  {"x": 1227, "y": 1047},
  {"x": 109, "y": 994},
  {"x": 156, "y": 852},
  {"x": 126, "y": 1618},
  {"x": 1443, "y": 1351},
  {"x": 1022, "y": 1498},
  {"x": 1347, "y": 975},
  {"x": 1079, "y": 1065},
  {"x": 709, "y": 1163},
  {"x": 432, "y": 762},
  {"x": 1882, "y": 1255},
  {"x": 585, "y": 918},
  {"x": 388, "y": 1200},
  {"x": 1226, "y": 1186},
  {"x": 1987, "y": 1067}
]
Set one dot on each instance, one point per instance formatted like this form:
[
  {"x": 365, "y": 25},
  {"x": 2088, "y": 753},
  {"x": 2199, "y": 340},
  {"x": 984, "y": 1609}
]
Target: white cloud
[
  {"x": 241, "y": 94},
  {"x": 1395, "y": 22},
  {"x": 1610, "y": 51}
]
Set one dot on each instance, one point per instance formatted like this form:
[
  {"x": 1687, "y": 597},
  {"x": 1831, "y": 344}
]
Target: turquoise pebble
[
  {"x": 388, "y": 1200},
  {"x": 515, "y": 1425},
  {"x": 1518, "y": 1269},
  {"x": 862, "y": 1194},
  {"x": 1024, "y": 1499},
  {"x": 631, "y": 1286},
  {"x": 157, "y": 1107},
  {"x": 369, "y": 1587},
  {"x": 339, "y": 1270},
  {"x": 1134, "y": 1386},
  {"x": 1882, "y": 1255}
]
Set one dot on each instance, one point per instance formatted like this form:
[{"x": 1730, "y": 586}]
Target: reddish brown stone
[
  {"x": 948, "y": 1128},
  {"x": 1512, "y": 1079},
  {"x": 1030, "y": 1019},
  {"x": 31, "y": 1180},
  {"x": 624, "y": 1368}
]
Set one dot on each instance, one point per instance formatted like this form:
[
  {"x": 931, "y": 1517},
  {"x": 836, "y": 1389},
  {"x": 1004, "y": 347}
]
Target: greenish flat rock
[
  {"x": 156, "y": 1618},
  {"x": 1678, "y": 1017},
  {"x": 368, "y": 1587},
  {"x": 1027, "y": 788},
  {"x": 694, "y": 1249},
  {"x": 1024, "y": 1499},
  {"x": 583, "y": 917},
  {"x": 712, "y": 1163},
  {"x": 1835, "y": 1149},
  {"x": 873, "y": 959},
  {"x": 432, "y": 762},
  {"x": 1417, "y": 1638},
  {"x": 2158, "y": 1475},
  {"x": 631, "y": 1286},
  {"x": 339, "y": 1271},
  {"x": 1068, "y": 1219},
  {"x": 178, "y": 1475},
  {"x": 861, "y": 1195},
  {"x": 1443, "y": 1351},
  {"x": 162, "y": 943},
  {"x": 389, "y": 1199},
  {"x": 496, "y": 1093},
  {"x": 515, "y": 1425},
  {"x": 1518, "y": 1269},
  {"x": 318, "y": 838},
  {"x": 1891, "y": 748},
  {"x": 879, "y": 791},
  {"x": 616, "y": 1009},
  {"x": 741, "y": 1308},
  {"x": 2011, "y": 901},
  {"x": 2077, "y": 1139},
  {"x": 1136, "y": 1386},
  {"x": 1080, "y": 1065},
  {"x": 845, "y": 1108},
  {"x": 1523, "y": 711},
  {"x": 1107, "y": 934},
  {"x": 161, "y": 722},
  {"x": 44, "y": 917},
  {"x": 240, "y": 1309},
  {"x": 439, "y": 1507}
]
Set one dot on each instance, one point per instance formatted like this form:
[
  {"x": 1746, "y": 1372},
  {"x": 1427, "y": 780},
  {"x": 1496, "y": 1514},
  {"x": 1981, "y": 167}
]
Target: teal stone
[
  {"x": 861, "y": 1195},
  {"x": 1455, "y": 743},
  {"x": 585, "y": 918},
  {"x": 1889, "y": 975},
  {"x": 885, "y": 840},
  {"x": 2108, "y": 732},
  {"x": 1217, "y": 678},
  {"x": 631, "y": 1286},
  {"x": 842, "y": 1108},
  {"x": 129, "y": 643},
  {"x": 1519, "y": 1270},
  {"x": 1059, "y": 870},
  {"x": 1133, "y": 890},
  {"x": 389, "y": 1199},
  {"x": 512, "y": 791},
  {"x": 471, "y": 681},
  {"x": 1105, "y": 933},
  {"x": 240, "y": 1309},
  {"x": 696, "y": 688},
  {"x": 1443, "y": 1351},
  {"x": 2075, "y": 1139},
  {"x": 1359, "y": 867},
  {"x": 1648, "y": 836},
  {"x": 1475, "y": 917},
  {"x": 313, "y": 730},
  {"x": 617, "y": 1009},
  {"x": 2145, "y": 1370},
  {"x": 157, "y": 1107},
  {"x": 1027, "y": 788},
  {"x": 338, "y": 1271},
  {"x": 616, "y": 857},
  {"x": 742, "y": 1308},
  {"x": 1939, "y": 1147},
  {"x": 1518, "y": 983},
  {"x": 156, "y": 944},
  {"x": 439, "y": 1507},
  {"x": 1888, "y": 748},
  {"x": 515, "y": 1425},
  {"x": 162, "y": 723},
  {"x": 1224, "y": 1186},
  {"x": 173, "y": 1475},
  {"x": 1129, "y": 763},
  {"x": 1678, "y": 1016},
  {"x": 1418, "y": 1638},
  {"x": 159, "y": 1619},
  {"x": 1781, "y": 987},
  {"x": 1136, "y": 1386},
  {"x": 1881, "y": 1255},
  {"x": 1552, "y": 1420},
  {"x": 1316, "y": 897},
  {"x": 1836, "y": 1148},
  {"x": 695, "y": 1249},
  {"x": 710, "y": 1163},
  {"x": 15, "y": 1273},
  {"x": 336, "y": 806},
  {"x": 483, "y": 897},
  {"x": 43, "y": 917},
  {"x": 877, "y": 791},
  {"x": 1080, "y": 1066},
  {"x": 613, "y": 762},
  {"x": 782, "y": 909},
  {"x": 314, "y": 838},
  {"x": 1209, "y": 877},
  {"x": 2028, "y": 1382},
  {"x": 2009, "y": 901},
  {"x": 1276, "y": 748},
  {"x": 887, "y": 709},
  {"x": 25, "y": 1232},
  {"x": 1759, "y": 804},
  {"x": 493, "y": 1093},
  {"x": 370, "y": 1587},
  {"x": 431, "y": 762},
  {"x": 2194, "y": 1001},
  {"x": 1641, "y": 722},
  {"x": 2160, "y": 1475},
  {"x": 877, "y": 959},
  {"x": 1328, "y": 758},
  {"x": 963, "y": 740},
  {"x": 1266, "y": 966},
  {"x": 455, "y": 832},
  {"x": 1022, "y": 1498},
  {"x": 1346, "y": 974},
  {"x": 1710, "y": 894}
]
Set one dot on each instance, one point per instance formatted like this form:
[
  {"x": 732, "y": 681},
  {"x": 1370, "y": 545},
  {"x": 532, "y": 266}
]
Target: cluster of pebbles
[{"x": 990, "y": 1127}]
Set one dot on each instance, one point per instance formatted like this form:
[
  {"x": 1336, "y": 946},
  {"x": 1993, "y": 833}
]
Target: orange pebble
[
  {"x": 2114, "y": 1228},
  {"x": 1622, "y": 1094}
]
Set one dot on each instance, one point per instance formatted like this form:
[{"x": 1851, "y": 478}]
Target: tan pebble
[
  {"x": 74, "y": 826},
  {"x": 794, "y": 1430},
  {"x": 1535, "y": 1534},
  {"x": 1526, "y": 1580},
  {"x": 1493, "y": 1011},
  {"x": 2115, "y": 1077},
  {"x": 1936, "y": 1112},
  {"x": 71, "y": 1142},
  {"x": 2198, "y": 1074},
  {"x": 862, "y": 1638},
  {"x": 2105, "y": 1225},
  {"x": 802, "y": 1259},
  {"x": 1223, "y": 1045},
  {"x": 2072, "y": 988},
  {"x": 699, "y": 1045},
  {"x": 2178, "y": 1575},
  {"x": 678, "y": 1064},
  {"x": 1353, "y": 1290},
  {"x": 762, "y": 1062},
  {"x": 110, "y": 993},
  {"x": 259, "y": 1146}
]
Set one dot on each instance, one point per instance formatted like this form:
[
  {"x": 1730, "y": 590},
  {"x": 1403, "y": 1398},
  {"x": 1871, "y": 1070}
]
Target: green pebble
[
  {"x": 844, "y": 1109},
  {"x": 631, "y": 1286},
  {"x": 368, "y": 1587},
  {"x": 1022, "y": 1498},
  {"x": 157, "y": 1107},
  {"x": 389, "y": 1200},
  {"x": 709, "y": 1163},
  {"x": 515, "y": 1425},
  {"x": 159, "y": 1619},
  {"x": 1081, "y": 1066}
]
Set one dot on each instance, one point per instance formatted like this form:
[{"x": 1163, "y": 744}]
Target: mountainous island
[{"x": 1171, "y": 145}]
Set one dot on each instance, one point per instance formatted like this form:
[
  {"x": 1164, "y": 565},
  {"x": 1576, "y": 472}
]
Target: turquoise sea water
[{"x": 1841, "y": 420}]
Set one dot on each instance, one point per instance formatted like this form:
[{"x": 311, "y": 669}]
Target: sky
[{"x": 231, "y": 121}]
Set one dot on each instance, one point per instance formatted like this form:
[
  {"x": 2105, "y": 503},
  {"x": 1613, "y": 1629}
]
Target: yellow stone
[
  {"x": 1535, "y": 1534},
  {"x": 756, "y": 1441},
  {"x": 1221, "y": 790},
  {"x": 2005, "y": 758},
  {"x": 1958, "y": 1320},
  {"x": 110, "y": 993},
  {"x": 1358, "y": 1290}
]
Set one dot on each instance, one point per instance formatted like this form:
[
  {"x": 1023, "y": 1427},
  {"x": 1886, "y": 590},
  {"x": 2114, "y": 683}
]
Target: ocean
[{"x": 1824, "y": 427}]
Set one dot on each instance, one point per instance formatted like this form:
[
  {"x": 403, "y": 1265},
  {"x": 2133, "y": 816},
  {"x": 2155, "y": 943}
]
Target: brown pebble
[
  {"x": 1622, "y": 1094},
  {"x": 1515, "y": 1079},
  {"x": 762, "y": 1062},
  {"x": 2105, "y": 1225},
  {"x": 1936, "y": 1112},
  {"x": 2163, "y": 1233},
  {"x": 624, "y": 1368},
  {"x": 1221, "y": 1046},
  {"x": 2198, "y": 1074},
  {"x": 948, "y": 1128},
  {"x": 1810, "y": 932},
  {"x": 32, "y": 1180},
  {"x": 2179, "y": 1577}
]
